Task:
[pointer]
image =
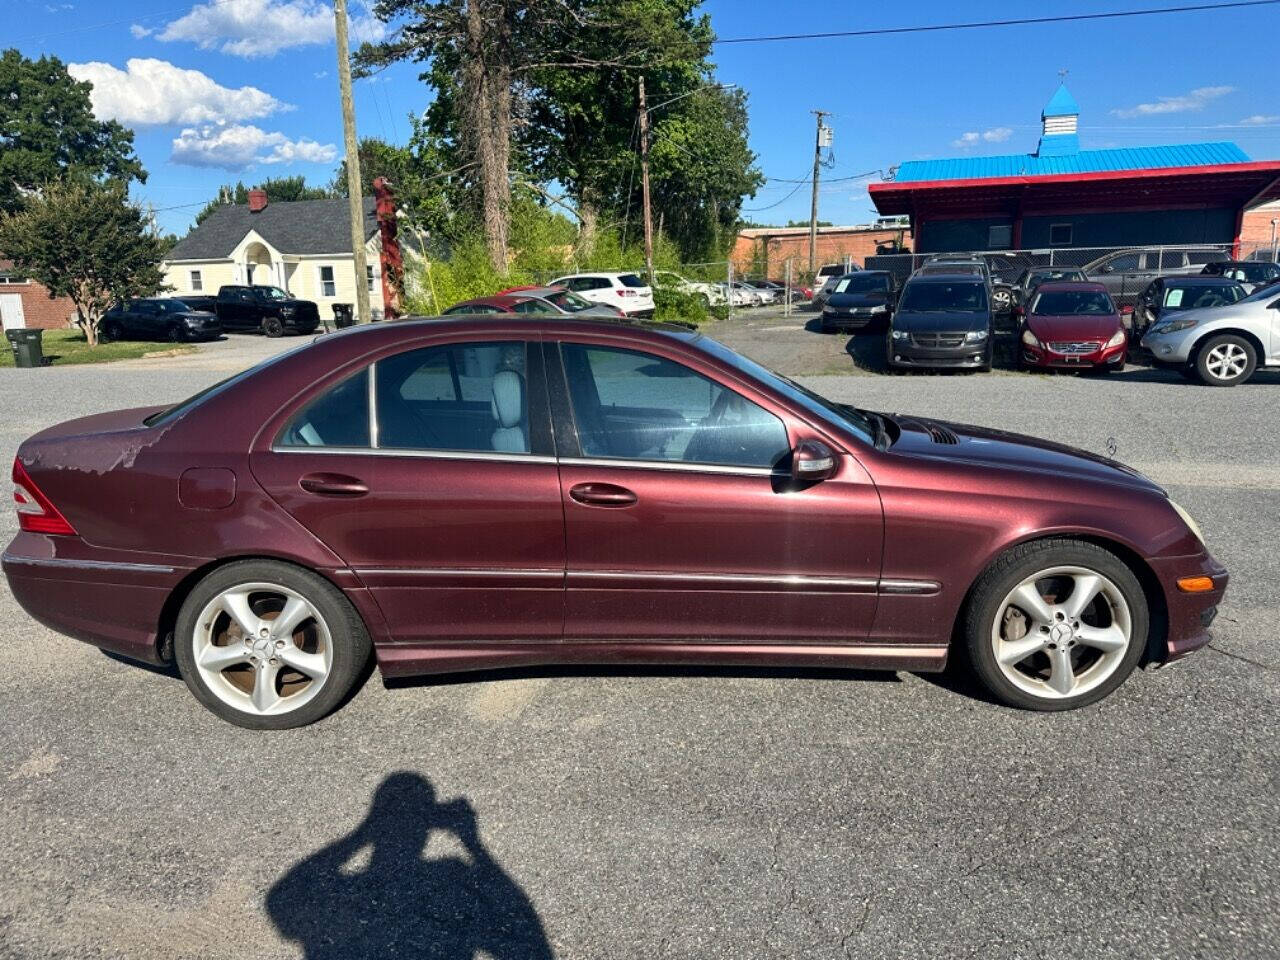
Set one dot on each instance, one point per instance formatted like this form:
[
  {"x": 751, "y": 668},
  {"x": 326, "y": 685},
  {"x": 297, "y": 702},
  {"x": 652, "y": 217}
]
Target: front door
[
  {"x": 11, "y": 313},
  {"x": 448, "y": 509},
  {"x": 680, "y": 523}
]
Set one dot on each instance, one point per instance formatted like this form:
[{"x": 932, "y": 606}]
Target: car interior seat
[{"x": 508, "y": 409}]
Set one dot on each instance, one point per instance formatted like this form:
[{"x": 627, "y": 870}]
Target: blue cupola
[{"x": 1060, "y": 119}]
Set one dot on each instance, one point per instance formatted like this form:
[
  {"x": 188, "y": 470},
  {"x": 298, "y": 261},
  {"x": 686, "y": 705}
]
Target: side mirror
[
  {"x": 1108, "y": 268},
  {"x": 812, "y": 460}
]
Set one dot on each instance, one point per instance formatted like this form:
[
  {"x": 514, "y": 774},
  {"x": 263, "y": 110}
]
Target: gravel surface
[{"x": 674, "y": 813}]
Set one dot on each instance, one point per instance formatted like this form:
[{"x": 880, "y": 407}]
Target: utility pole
[
  {"x": 355, "y": 199},
  {"x": 813, "y": 210},
  {"x": 644, "y": 182}
]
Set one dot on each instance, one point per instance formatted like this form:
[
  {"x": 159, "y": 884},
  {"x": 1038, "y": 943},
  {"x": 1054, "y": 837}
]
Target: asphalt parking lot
[{"x": 677, "y": 813}]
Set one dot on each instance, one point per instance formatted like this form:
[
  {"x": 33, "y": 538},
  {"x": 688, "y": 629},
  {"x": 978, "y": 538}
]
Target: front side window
[
  {"x": 339, "y": 417},
  {"x": 328, "y": 287},
  {"x": 197, "y": 283},
  {"x": 464, "y": 396},
  {"x": 636, "y": 406}
]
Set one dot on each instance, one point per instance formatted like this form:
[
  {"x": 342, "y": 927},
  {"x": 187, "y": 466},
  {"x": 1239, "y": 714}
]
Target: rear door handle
[
  {"x": 602, "y": 495},
  {"x": 333, "y": 485}
]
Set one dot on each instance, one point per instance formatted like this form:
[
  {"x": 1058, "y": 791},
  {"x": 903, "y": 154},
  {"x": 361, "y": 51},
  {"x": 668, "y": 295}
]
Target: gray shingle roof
[{"x": 296, "y": 227}]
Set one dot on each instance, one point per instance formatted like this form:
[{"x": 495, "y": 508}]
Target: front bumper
[
  {"x": 1170, "y": 348},
  {"x": 852, "y": 319},
  {"x": 1044, "y": 357},
  {"x": 1190, "y": 614},
  {"x": 969, "y": 356}
]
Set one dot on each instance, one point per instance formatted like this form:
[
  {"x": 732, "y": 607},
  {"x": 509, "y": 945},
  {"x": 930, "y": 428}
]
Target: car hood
[
  {"x": 939, "y": 322},
  {"x": 1238, "y": 312},
  {"x": 849, "y": 301},
  {"x": 981, "y": 446},
  {"x": 1073, "y": 327}
]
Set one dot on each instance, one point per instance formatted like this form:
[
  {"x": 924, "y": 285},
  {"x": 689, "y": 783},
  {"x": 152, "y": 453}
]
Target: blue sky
[{"x": 220, "y": 90}]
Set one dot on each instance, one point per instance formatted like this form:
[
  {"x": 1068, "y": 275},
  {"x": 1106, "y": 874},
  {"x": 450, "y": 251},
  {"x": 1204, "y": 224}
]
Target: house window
[
  {"x": 368, "y": 276},
  {"x": 1060, "y": 235},
  {"x": 328, "y": 288},
  {"x": 1000, "y": 237},
  {"x": 11, "y": 278},
  {"x": 196, "y": 283}
]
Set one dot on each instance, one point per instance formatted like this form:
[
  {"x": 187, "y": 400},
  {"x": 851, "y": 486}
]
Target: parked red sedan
[
  {"x": 470, "y": 493},
  {"x": 1072, "y": 325}
]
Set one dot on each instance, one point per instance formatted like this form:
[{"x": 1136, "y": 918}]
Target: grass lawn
[{"x": 63, "y": 347}]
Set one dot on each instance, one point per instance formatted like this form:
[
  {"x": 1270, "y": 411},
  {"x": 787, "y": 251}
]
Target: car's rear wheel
[
  {"x": 267, "y": 645},
  {"x": 273, "y": 326},
  {"x": 1225, "y": 361},
  {"x": 1002, "y": 299},
  {"x": 1056, "y": 624}
]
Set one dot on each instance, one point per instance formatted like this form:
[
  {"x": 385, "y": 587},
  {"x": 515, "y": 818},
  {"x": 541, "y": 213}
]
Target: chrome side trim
[
  {"x": 866, "y": 583},
  {"x": 87, "y": 564},
  {"x": 458, "y": 572},
  {"x": 912, "y": 588},
  {"x": 481, "y": 455},
  {"x": 674, "y": 466}
]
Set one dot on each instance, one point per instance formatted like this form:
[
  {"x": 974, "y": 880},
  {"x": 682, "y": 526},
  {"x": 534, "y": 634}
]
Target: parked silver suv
[
  {"x": 1125, "y": 273},
  {"x": 1220, "y": 346}
]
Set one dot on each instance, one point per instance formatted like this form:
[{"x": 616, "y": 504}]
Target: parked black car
[
  {"x": 1166, "y": 295},
  {"x": 859, "y": 300},
  {"x": 268, "y": 309},
  {"x": 158, "y": 318},
  {"x": 942, "y": 321},
  {"x": 1032, "y": 277},
  {"x": 1252, "y": 274}
]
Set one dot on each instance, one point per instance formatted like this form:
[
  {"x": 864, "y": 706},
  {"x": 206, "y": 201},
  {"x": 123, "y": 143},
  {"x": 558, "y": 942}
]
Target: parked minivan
[{"x": 942, "y": 320}]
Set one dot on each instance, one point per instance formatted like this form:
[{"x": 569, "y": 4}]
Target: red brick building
[
  {"x": 764, "y": 251},
  {"x": 25, "y": 303}
]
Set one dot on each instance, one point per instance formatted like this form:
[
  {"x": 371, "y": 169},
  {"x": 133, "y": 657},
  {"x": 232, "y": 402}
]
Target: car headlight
[
  {"x": 899, "y": 334},
  {"x": 1029, "y": 338},
  {"x": 1186, "y": 518},
  {"x": 975, "y": 336},
  {"x": 1173, "y": 326},
  {"x": 881, "y": 308},
  {"x": 1117, "y": 338}
]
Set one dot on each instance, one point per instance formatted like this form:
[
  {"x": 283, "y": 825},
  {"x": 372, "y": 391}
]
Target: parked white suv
[
  {"x": 712, "y": 293},
  {"x": 1220, "y": 346},
  {"x": 626, "y": 291}
]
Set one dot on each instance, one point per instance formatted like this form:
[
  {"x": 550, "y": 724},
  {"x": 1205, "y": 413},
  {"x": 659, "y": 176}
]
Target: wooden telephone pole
[
  {"x": 644, "y": 182},
  {"x": 813, "y": 209},
  {"x": 355, "y": 198}
]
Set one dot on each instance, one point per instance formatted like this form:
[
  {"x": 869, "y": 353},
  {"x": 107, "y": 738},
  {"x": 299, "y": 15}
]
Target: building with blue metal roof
[{"x": 1062, "y": 196}]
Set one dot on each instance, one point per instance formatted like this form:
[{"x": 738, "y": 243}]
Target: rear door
[
  {"x": 448, "y": 508},
  {"x": 680, "y": 521}
]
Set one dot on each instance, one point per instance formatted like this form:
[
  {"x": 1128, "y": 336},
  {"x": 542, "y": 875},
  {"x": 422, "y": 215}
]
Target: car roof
[
  {"x": 406, "y": 328},
  {"x": 1053, "y": 285},
  {"x": 1199, "y": 280}
]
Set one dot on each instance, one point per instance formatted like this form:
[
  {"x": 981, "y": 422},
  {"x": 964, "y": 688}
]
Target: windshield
[
  {"x": 863, "y": 283},
  {"x": 1264, "y": 293},
  {"x": 944, "y": 297},
  {"x": 173, "y": 306},
  {"x": 839, "y": 414},
  {"x": 1196, "y": 297},
  {"x": 1043, "y": 276},
  {"x": 1059, "y": 303},
  {"x": 271, "y": 293},
  {"x": 569, "y": 302}
]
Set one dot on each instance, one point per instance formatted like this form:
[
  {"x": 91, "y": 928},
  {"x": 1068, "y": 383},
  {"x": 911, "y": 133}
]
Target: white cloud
[
  {"x": 1259, "y": 120},
  {"x": 1197, "y": 99},
  {"x": 139, "y": 31},
  {"x": 238, "y": 147},
  {"x": 973, "y": 137},
  {"x": 262, "y": 28},
  {"x": 155, "y": 92}
]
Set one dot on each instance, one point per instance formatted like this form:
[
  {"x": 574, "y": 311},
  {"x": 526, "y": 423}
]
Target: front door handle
[
  {"x": 602, "y": 495},
  {"x": 333, "y": 485}
]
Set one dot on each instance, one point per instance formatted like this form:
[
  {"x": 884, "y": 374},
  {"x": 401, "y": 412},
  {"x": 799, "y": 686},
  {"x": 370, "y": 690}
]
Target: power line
[
  {"x": 116, "y": 23},
  {"x": 1016, "y": 22}
]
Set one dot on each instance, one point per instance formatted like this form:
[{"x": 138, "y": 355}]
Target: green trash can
[{"x": 28, "y": 350}]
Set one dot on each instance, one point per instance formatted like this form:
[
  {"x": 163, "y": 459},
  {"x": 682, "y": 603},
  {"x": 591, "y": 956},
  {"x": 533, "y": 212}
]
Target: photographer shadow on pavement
[{"x": 378, "y": 893}]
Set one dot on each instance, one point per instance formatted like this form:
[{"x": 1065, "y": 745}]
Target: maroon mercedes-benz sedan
[
  {"x": 1073, "y": 325},
  {"x": 467, "y": 493}
]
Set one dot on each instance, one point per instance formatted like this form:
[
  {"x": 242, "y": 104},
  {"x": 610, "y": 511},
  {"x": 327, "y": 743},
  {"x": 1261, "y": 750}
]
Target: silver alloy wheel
[
  {"x": 262, "y": 648},
  {"x": 1226, "y": 361},
  {"x": 1053, "y": 642},
  {"x": 1001, "y": 299}
]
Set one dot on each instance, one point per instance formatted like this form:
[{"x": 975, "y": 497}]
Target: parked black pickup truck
[{"x": 268, "y": 309}]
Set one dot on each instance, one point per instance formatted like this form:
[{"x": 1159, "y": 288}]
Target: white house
[{"x": 302, "y": 246}]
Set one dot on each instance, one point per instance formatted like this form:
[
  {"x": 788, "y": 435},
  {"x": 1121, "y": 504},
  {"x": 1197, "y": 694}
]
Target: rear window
[
  {"x": 178, "y": 409},
  {"x": 1073, "y": 303},
  {"x": 945, "y": 297},
  {"x": 631, "y": 280}
]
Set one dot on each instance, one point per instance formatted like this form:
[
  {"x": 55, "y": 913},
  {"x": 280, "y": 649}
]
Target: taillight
[
  {"x": 36, "y": 513},
  {"x": 625, "y": 292}
]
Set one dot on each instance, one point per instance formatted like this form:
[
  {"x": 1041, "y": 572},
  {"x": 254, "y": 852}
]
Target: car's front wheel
[
  {"x": 1056, "y": 624},
  {"x": 268, "y": 645},
  {"x": 1226, "y": 360},
  {"x": 273, "y": 326}
]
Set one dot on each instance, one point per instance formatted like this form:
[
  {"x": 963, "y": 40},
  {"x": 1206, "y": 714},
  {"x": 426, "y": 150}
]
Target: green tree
[
  {"x": 85, "y": 241},
  {"x": 48, "y": 131},
  {"x": 278, "y": 190},
  {"x": 423, "y": 183}
]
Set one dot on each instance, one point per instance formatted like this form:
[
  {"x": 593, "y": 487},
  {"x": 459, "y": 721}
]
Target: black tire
[
  {"x": 109, "y": 332},
  {"x": 1210, "y": 358},
  {"x": 1189, "y": 373},
  {"x": 176, "y": 334},
  {"x": 273, "y": 327},
  {"x": 1020, "y": 563},
  {"x": 350, "y": 639}
]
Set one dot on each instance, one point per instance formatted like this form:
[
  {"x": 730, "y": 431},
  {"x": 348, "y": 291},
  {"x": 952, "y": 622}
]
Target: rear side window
[{"x": 339, "y": 417}]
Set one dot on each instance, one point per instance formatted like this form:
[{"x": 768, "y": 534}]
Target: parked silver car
[{"x": 1220, "y": 346}]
